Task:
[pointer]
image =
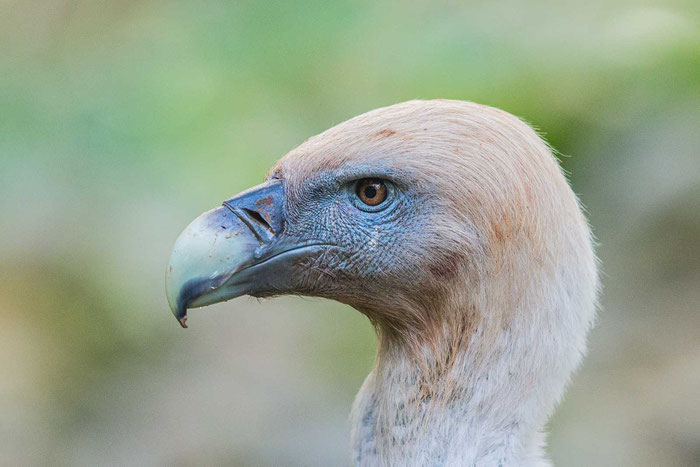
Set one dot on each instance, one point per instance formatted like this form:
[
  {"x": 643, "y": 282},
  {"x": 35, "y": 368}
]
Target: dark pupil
[{"x": 370, "y": 192}]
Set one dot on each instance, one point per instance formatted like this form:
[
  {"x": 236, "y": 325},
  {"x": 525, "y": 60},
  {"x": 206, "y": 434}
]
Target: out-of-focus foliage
[{"x": 121, "y": 121}]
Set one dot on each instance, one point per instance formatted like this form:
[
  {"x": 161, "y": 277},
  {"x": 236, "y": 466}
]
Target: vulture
[{"x": 451, "y": 226}]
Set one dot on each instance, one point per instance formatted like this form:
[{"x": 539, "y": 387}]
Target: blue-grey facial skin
[{"x": 372, "y": 265}]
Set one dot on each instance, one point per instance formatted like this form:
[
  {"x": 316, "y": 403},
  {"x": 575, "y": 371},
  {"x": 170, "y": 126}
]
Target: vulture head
[{"x": 451, "y": 227}]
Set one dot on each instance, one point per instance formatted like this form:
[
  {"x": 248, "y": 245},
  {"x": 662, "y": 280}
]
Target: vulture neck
[{"x": 480, "y": 398}]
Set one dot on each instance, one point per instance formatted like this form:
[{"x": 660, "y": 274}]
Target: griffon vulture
[{"x": 452, "y": 228}]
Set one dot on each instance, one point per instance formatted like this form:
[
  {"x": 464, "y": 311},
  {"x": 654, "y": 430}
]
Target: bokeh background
[{"x": 120, "y": 121}]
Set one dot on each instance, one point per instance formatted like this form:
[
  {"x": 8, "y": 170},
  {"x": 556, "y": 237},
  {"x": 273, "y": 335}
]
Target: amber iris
[{"x": 371, "y": 191}]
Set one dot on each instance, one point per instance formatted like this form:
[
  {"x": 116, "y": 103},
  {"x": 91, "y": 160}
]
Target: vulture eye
[{"x": 371, "y": 191}]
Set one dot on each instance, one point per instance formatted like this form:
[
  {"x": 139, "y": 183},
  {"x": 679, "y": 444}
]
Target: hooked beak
[{"x": 237, "y": 249}]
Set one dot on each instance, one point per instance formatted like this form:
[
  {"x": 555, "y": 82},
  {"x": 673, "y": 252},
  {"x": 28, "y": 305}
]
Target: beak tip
[{"x": 183, "y": 321}]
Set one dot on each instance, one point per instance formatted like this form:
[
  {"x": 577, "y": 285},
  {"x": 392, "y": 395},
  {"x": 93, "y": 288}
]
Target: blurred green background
[{"x": 120, "y": 121}]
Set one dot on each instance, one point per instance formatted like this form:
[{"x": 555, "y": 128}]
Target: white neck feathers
[{"x": 486, "y": 402}]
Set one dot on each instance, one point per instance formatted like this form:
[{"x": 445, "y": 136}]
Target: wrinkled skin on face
[{"x": 378, "y": 260}]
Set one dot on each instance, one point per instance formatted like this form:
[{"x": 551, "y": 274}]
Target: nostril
[{"x": 257, "y": 217}]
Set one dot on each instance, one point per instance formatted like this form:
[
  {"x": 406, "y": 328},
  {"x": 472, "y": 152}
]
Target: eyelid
[{"x": 357, "y": 174}]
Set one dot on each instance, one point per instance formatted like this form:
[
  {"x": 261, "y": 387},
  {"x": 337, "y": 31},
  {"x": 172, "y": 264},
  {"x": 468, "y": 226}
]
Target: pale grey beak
[
  {"x": 237, "y": 249},
  {"x": 207, "y": 253}
]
